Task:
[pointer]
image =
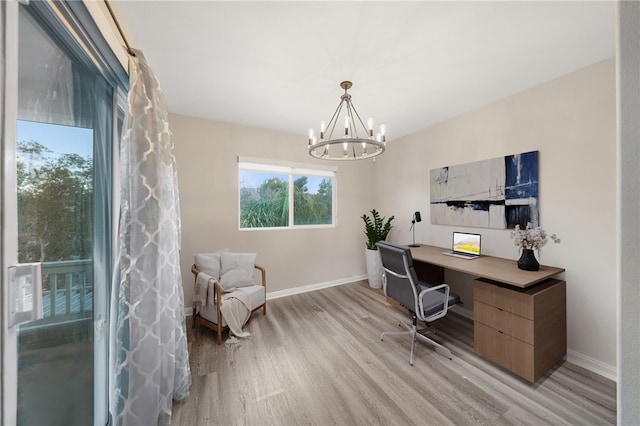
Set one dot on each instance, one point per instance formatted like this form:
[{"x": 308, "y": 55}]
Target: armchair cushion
[
  {"x": 209, "y": 263},
  {"x": 236, "y": 270}
]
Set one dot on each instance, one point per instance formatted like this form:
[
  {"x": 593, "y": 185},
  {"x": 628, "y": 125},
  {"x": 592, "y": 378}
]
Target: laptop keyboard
[{"x": 462, "y": 255}]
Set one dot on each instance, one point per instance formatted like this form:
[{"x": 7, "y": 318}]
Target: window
[{"x": 274, "y": 196}]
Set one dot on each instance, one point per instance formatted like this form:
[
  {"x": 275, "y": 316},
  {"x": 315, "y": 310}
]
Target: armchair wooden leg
[
  {"x": 264, "y": 309},
  {"x": 219, "y": 335},
  {"x": 194, "y": 316}
]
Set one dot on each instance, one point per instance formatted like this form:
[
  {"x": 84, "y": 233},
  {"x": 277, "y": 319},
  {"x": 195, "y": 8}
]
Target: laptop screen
[{"x": 466, "y": 243}]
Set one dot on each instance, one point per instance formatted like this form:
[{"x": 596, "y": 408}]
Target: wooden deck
[{"x": 78, "y": 301}]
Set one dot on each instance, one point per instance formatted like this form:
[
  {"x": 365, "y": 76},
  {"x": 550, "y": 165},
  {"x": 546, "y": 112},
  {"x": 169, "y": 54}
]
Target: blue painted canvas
[
  {"x": 496, "y": 193},
  {"x": 521, "y": 189}
]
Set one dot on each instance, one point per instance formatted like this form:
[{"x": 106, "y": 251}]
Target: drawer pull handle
[
  {"x": 500, "y": 309},
  {"x": 501, "y": 332}
]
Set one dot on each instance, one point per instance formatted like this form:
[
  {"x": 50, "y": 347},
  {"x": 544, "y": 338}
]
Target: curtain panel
[{"x": 149, "y": 347}]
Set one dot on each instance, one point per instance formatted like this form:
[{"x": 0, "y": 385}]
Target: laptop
[{"x": 465, "y": 246}]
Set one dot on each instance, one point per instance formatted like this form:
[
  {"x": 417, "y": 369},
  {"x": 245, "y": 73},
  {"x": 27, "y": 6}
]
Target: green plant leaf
[{"x": 376, "y": 229}]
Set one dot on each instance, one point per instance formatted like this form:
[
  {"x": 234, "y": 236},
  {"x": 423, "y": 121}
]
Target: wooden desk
[
  {"x": 520, "y": 317},
  {"x": 498, "y": 269}
]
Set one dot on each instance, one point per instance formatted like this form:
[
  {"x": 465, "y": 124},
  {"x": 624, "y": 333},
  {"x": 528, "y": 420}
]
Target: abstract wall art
[{"x": 497, "y": 193}]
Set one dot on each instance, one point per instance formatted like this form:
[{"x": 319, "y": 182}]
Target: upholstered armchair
[{"x": 222, "y": 272}]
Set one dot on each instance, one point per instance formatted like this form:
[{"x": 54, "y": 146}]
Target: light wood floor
[{"x": 317, "y": 359}]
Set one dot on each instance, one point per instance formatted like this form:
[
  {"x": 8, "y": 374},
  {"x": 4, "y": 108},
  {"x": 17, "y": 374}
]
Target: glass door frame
[
  {"x": 84, "y": 35},
  {"x": 9, "y": 215}
]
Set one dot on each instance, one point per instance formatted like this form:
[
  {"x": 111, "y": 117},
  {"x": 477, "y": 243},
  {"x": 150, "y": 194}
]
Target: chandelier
[{"x": 347, "y": 145}]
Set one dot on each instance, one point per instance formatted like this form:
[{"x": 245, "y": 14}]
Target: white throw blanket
[
  {"x": 204, "y": 293},
  {"x": 236, "y": 310},
  {"x": 235, "y": 306}
]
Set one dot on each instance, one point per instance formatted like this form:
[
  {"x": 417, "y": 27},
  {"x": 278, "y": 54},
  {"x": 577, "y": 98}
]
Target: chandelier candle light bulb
[
  {"x": 311, "y": 137},
  {"x": 353, "y": 146}
]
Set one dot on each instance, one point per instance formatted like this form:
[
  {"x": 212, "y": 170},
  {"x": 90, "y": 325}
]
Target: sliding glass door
[{"x": 59, "y": 191}]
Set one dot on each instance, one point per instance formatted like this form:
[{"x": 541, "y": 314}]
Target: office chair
[{"x": 425, "y": 302}]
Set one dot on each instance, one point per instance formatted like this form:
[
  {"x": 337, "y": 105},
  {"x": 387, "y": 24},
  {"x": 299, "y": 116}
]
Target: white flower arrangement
[{"x": 531, "y": 238}]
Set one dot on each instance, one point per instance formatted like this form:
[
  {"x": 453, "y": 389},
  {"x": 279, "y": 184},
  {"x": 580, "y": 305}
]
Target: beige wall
[
  {"x": 571, "y": 121},
  {"x": 206, "y": 155}
]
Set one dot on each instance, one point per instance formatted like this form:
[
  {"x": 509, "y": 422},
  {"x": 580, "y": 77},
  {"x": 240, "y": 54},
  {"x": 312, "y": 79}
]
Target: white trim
[
  {"x": 8, "y": 200},
  {"x": 287, "y": 164},
  {"x": 593, "y": 365},
  {"x": 312, "y": 287},
  {"x": 259, "y": 167},
  {"x": 286, "y": 170},
  {"x": 297, "y": 171},
  {"x": 108, "y": 29},
  {"x": 298, "y": 290}
]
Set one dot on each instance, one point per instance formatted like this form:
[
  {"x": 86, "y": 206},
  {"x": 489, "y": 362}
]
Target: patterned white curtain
[{"x": 149, "y": 346}]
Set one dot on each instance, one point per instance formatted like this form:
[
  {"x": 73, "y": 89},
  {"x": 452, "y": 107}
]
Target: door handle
[{"x": 25, "y": 293}]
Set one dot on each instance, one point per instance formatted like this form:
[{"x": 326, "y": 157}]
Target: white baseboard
[
  {"x": 297, "y": 290},
  {"x": 313, "y": 287},
  {"x": 593, "y": 365}
]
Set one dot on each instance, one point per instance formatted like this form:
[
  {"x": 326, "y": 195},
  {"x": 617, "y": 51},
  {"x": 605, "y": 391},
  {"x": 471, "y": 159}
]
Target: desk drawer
[
  {"x": 506, "y": 322},
  {"x": 507, "y": 299},
  {"x": 511, "y": 353}
]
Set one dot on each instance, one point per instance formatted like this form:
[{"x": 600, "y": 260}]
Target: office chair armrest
[{"x": 445, "y": 302}]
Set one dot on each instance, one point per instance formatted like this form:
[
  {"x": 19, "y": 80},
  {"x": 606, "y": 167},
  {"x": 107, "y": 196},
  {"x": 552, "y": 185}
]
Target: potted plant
[
  {"x": 376, "y": 229},
  {"x": 530, "y": 239}
]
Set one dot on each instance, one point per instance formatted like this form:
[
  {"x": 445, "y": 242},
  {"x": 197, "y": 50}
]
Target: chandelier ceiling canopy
[{"x": 353, "y": 141}]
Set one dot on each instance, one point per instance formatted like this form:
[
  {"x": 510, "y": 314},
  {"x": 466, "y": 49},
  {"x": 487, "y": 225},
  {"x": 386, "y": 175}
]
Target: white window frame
[{"x": 291, "y": 170}]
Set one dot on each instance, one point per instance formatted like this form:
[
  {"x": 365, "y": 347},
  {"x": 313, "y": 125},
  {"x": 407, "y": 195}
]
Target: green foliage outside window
[
  {"x": 312, "y": 209},
  {"x": 268, "y": 204},
  {"x": 55, "y": 204}
]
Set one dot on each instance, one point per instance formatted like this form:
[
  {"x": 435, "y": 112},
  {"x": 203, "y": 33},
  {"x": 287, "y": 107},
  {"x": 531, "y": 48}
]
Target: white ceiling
[{"x": 278, "y": 65}]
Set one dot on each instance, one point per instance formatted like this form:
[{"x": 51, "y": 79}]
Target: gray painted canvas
[{"x": 497, "y": 193}]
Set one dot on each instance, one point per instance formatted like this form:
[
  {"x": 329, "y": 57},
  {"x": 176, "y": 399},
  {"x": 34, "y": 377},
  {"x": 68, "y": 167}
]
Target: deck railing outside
[{"x": 67, "y": 288}]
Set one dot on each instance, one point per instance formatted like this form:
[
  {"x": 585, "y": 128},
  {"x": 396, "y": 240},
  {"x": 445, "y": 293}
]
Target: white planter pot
[{"x": 374, "y": 268}]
